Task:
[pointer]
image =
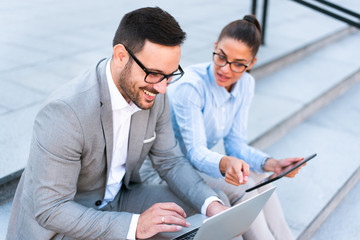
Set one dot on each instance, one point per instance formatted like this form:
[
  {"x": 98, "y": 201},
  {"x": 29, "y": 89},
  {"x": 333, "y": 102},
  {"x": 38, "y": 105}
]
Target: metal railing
[
  {"x": 264, "y": 17},
  {"x": 314, "y": 7}
]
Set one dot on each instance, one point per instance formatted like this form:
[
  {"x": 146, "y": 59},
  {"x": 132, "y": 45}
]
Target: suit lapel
[
  {"x": 105, "y": 113},
  {"x": 137, "y": 132},
  {"x": 138, "y": 126}
]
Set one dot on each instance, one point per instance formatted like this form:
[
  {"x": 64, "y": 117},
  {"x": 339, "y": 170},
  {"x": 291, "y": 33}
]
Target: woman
[{"x": 211, "y": 102}]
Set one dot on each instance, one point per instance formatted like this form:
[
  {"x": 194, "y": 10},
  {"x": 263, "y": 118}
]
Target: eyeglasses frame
[
  {"x": 227, "y": 62},
  {"x": 148, "y": 72}
]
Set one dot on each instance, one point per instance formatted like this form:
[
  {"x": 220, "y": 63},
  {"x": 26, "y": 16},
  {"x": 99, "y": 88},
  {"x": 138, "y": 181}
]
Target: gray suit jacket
[{"x": 70, "y": 158}]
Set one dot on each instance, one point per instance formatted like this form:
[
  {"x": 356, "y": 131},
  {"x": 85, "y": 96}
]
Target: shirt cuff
[
  {"x": 133, "y": 225},
  {"x": 212, "y": 165},
  {"x": 258, "y": 162},
  {"x": 263, "y": 163},
  {"x": 207, "y": 203}
]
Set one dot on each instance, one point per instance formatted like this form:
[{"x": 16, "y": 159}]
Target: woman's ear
[{"x": 251, "y": 64}]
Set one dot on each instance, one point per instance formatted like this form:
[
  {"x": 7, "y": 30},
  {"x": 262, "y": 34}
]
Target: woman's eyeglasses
[{"x": 221, "y": 61}]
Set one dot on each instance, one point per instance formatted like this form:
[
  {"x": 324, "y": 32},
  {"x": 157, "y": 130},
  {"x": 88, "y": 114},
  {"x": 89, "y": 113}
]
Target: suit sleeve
[
  {"x": 173, "y": 167},
  {"x": 55, "y": 164}
]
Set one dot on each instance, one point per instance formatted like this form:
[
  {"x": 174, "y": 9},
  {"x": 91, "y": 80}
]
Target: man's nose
[{"x": 161, "y": 86}]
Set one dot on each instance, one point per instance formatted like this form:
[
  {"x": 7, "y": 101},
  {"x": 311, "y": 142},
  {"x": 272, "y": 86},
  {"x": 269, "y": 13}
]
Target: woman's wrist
[
  {"x": 269, "y": 164},
  {"x": 263, "y": 163}
]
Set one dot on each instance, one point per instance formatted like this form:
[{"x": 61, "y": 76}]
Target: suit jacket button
[{"x": 98, "y": 203}]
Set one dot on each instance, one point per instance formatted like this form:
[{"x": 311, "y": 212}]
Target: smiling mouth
[{"x": 149, "y": 93}]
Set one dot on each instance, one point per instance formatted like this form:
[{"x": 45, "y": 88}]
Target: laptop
[{"x": 225, "y": 225}]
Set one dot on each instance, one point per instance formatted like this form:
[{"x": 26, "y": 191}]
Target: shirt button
[
  {"x": 223, "y": 109},
  {"x": 222, "y": 127},
  {"x": 98, "y": 203},
  {"x": 214, "y": 142}
]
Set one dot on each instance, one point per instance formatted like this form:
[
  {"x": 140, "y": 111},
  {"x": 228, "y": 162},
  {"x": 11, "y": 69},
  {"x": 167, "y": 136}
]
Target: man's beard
[{"x": 129, "y": 88}]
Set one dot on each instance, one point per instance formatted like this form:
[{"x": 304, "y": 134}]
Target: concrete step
[
  {"x": 334, "y": 133},
  {"x": 283, "y": 58},
  {"x": 288, "y": 96},
  {"x": 343, "y": 223}
]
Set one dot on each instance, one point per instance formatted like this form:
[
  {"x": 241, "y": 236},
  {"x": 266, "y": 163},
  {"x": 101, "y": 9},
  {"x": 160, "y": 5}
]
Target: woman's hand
[
  {"x": 236, "y": 171},
  {"x": 277, "y": 166}
]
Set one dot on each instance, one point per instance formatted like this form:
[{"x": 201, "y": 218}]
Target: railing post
[
  {"x": 253, "y": 7},
  {"x": 264, "y": 17}
]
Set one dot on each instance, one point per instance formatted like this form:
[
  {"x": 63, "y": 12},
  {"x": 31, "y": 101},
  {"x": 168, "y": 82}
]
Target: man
[{"x": 93, "y": 135}]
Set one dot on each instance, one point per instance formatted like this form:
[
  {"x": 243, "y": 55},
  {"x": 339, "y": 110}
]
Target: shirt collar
[
  {"x": 117, "y": 100},
  {"x": 220, "y": 94}
]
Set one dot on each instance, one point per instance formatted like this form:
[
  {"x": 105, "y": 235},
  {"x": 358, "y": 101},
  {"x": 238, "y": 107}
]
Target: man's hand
[
  {"x": 215, "y": 208},
  {"x": 161, "y": 217},
  {"x": 236, "y": 171},
  {"x": 276, "y": 166}
]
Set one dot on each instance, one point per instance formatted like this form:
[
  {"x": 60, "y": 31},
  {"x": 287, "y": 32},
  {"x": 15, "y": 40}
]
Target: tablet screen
[{"x": 284, "y": 172}]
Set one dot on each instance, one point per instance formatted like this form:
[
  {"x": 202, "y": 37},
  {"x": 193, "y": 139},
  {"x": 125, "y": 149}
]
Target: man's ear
[
  {"x": 120, "y": 56},
  {"x": 215, "y": 45}
]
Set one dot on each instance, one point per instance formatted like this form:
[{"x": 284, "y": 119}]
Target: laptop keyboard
[{"x": 188, "y": 236}]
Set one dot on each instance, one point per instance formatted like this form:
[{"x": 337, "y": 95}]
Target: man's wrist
[
  {"x": 207, "y": 202},
  {"x": 133, "y": 225},
  {"x": 214, "y": 208}
]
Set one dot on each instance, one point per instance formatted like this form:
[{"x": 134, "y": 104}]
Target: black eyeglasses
[
  {"x": 154, "y": 77},
  {"x": 221, "y": 61}
]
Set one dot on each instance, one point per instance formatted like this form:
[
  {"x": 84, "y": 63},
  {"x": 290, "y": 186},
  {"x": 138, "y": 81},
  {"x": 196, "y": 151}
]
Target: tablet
[{"x": 276, "y": 176}]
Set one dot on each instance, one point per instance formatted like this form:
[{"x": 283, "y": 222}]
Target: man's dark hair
[{"x": 150, "y": 23}]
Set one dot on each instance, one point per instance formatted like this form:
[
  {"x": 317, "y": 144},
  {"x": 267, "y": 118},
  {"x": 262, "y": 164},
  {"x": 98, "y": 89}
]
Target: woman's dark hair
[
  {"x": 246, "y": 30},
  {"x": 153, "y": 24}
]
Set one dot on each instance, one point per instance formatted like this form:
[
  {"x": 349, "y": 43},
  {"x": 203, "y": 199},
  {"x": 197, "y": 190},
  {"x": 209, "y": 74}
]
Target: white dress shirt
[{"x": 121, "y": 114}]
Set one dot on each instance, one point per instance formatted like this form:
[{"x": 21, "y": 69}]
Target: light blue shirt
[{"x": 203, "y": 113}]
